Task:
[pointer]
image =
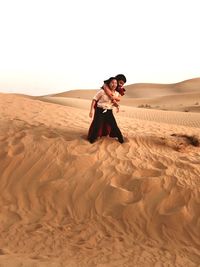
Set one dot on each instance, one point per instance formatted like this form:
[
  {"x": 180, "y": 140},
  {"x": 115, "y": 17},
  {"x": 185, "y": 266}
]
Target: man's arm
[{"x": 109, "y": 93}]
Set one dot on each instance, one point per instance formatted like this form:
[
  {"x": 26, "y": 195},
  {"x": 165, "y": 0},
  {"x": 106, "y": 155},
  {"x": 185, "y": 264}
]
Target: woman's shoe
[{"x": 121, "y": 140}]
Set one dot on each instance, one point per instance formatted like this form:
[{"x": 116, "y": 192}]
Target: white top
[{"x": 104, "y": 100}]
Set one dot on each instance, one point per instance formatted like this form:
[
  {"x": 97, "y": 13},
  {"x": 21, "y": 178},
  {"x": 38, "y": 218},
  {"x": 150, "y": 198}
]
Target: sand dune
[
  {"x": 183, "y": 96},
  {"x": 170, "y": 101},
  {"x": 68, "y": 101},
  {"x": 170, "y": 117},
  {"x": 143, "y": 90},
  {"x": 83, "y": 94},
  {"x": 65, "y": 202},
  {"x": 151, "y": 90}
]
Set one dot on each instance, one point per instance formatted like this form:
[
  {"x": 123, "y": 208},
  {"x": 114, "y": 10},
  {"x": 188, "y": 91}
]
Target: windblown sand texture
[{"x": 66, "y": 202}]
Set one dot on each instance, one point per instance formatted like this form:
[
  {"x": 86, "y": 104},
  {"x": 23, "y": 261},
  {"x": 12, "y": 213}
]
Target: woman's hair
[
  {"x": 109, "y": 80},
  {"x": 120, "y": 77}
]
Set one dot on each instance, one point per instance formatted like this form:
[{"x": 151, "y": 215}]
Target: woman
[
  {"x": 121, "y": 80},
  {"x": 104, "y": 115}
]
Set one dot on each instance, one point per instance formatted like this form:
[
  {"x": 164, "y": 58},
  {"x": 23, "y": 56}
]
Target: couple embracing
[{"x": 101, "y": 109}]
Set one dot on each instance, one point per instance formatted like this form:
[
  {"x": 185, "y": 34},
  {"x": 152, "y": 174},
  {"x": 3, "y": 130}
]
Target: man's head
[{"x": 121, "y": 79}]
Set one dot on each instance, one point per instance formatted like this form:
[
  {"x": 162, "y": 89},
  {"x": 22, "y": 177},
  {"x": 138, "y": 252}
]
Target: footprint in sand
[
  {"x": 2, "y": 252},
  {"x": 145, "y": 173},
  {"x": 128, "y": 187},
  {"x": 15, "y": 150},
  {"x": 15, "y": 145},
  {"x": 159, "y": 165},
  {"x": 50, "y": 135},
  {"x": 2, "y": 138},
  {"x": 3, "y": 148}
]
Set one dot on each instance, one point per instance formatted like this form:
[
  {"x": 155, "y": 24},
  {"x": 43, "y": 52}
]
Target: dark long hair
[
  {"x": 121, "y": 77},
  {"x": 109, "y": 80}
]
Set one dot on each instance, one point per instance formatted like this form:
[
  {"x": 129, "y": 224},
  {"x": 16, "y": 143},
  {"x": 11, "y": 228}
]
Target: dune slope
[{"x": 65, "y": 202}]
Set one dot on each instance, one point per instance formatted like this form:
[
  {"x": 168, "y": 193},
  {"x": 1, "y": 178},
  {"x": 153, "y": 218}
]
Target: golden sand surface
[{"x": 66, "y": 202}]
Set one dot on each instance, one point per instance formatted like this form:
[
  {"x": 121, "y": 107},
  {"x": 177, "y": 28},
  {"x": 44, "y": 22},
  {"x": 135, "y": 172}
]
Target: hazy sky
[{"x": 51, "y": 46}]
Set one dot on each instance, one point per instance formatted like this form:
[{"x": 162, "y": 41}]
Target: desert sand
[{"x": 66, "y": 202}]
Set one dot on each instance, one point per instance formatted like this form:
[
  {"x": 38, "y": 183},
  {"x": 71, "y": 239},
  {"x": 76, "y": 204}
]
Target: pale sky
[{"x": 49, "y": 46}]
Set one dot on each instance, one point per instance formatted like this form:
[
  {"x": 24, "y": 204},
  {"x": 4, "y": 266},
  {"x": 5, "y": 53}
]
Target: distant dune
[
  {"x": 83, "y": 94},
  {"x": 143, "y": 90},
  {"x": 170, "y": 102},
  {"x": 149, "y": 90},
  {"x": 183, "y": 96},
  {"x": 67, "y": 203}
]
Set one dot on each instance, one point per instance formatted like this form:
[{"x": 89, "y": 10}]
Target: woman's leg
[
  {"x": 96, "y": 125},
  {"x": 114, "y": 128}
]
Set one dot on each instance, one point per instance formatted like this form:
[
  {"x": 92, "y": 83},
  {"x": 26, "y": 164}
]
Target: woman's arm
[
  {"x": 92, "y": 108},
  {"x": 94, "y": 101}
]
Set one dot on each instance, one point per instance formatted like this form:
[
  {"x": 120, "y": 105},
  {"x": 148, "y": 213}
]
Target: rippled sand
[{"x": 66, "y": 202}]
